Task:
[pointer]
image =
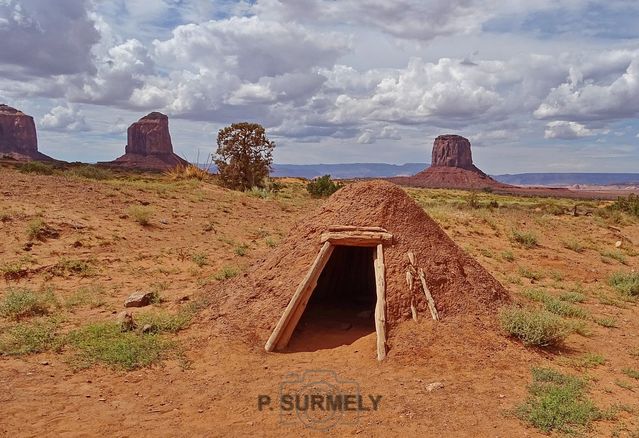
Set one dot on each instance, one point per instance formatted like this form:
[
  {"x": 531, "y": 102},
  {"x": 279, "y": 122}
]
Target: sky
[{"x": 543, "y": 86}]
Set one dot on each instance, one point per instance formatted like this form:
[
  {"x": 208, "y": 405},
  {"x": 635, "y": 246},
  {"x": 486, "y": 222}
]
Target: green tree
[{"x": 244, "y": 155}]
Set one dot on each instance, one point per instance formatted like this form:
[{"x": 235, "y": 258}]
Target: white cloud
[
  {"x": 64, "y": 118},
  {"x": 567, "y": 130}
]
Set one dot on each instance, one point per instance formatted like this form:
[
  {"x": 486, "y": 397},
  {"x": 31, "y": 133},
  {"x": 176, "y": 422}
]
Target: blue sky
[{"x": 536, "y": 86}]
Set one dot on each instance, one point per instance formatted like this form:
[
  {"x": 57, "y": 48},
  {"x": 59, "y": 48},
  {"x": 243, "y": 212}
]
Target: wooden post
[
  {"x": 293, "y": 312},
  {"x": 380, "y": 306},
  {"x": 429, "y": 296},
  {"x": 411, "y": 288}
]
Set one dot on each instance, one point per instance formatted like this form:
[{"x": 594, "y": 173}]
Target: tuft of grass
[
  {"x": 588, "y": 360},
  {"x": 632, "y": 373},
  {"x": 608, "y": 322},
  {"x": 107, "y": 344},
  {"x": 525, "y": 239},
  {"x": 534, "y": 327},
  {"x": 141, "y": 214},
  {"x": 624, "y": 385},
  {"x": 241, "y": 250},
  {"x": 574, "y": 245},
  {"x": 30, "y": 337},
  {"x": 200, "y": 259},
  {"x": 572, "y": 297},
  {"x": 530, "y": 274},
  {"x": 36, "y": 167},
  {"x": 270, "y": 242},
  {"x": 558, "y": 402},
  {"x": 36, "y": 228},
  {"x": 225, "y": 273},
  {"x": 615, "y": 255},
  {"x": 66, "y": 266},
  {"x": 188, "y": 171},
  {"x": 626, "y": 283},
  {"x": 89, "y": 296},
  {"x": 555, "y": 305},
  {"x": 21, "y": 303},
  {"x": 161, "y": 322},
  {"x": 91, "y": 172},
  {"x": 508, "y": 256},
  {"x": 13, "y": 271}
]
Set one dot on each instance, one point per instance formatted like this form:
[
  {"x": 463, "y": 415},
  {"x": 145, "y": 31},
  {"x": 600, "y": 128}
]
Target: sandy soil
[{"x": 484, "y": 375}]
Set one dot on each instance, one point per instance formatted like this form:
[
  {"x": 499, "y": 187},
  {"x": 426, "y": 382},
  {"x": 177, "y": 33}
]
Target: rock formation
[
  {"x": 149, "y": 145},
  {"x": 451, "y": 167},
  {"x": 18, "y": 138}
]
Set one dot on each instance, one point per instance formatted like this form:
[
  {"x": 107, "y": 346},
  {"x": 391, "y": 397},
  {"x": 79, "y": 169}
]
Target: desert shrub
[
  {"x": 241, "y": 250},
  {"x": 106, "y": 343},
  {"x": 574, "y": 245},
  {"x": 508, "y": 256},
  {"x": 226, "y": 272},
  {"x": 628, "y": 204},
  {"x": 555, "y": 305},
  {"x": 587, "y": 360},
  {"x": 66, "y": 266},
  {"x": 530, "y": 274},
  {"x": 20, "y": 303},
  {"x": 90, "y": 296},
  {"x": 534, "y": 327},
  {"x": 188, "y": 171},
  {"x": 572, "y": 297},
  {"x": 29, "y": 337},
  {"x": 615, "y": 255},
  {"x": 322, "y": 187},
  {"x": 607, "y": 322},
  {"x": 558, "y": 402},
  {"x": 141, "y": 214},
  {"x": 626, "y": 283},
  {"x": 270, "y": 242},
  {"x": 200, "y": 259},
  {"x": 244, "y": 156},
  {"x": 631, "y": 373},
  {"x": 36, "y": 167},
  {"x": 90, "y": 172},
  {"x": 472, "y": 201},
  {"x": 35, "y": 228},
  {"x": 525, "y": 239}
]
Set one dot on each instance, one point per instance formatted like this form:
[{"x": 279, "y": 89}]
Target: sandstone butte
[
  {"x": 149, "y": 145},
  {"x": 18, "y": 137},
  {"x": 451, "y": 167}
]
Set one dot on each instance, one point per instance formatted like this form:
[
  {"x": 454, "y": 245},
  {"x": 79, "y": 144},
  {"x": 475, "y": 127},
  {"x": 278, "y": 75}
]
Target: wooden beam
[
  {"x": 411, "y": 258},
  {"x": 293, "y": 312},
  {"x": 355, "y": 228},
  {"x": 429, "y": 296},
  {"x": 380, "y": 306},
  {"x": 357, "y": 238}
]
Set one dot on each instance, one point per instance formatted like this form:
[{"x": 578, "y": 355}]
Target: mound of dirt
[{"x": 254, "y": 303}]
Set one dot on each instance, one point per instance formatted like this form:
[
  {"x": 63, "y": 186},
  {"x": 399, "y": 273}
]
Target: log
[
  {"x": 410, "y": 281},
  {"x": 380, "y": 306},
  {"x": 355, "y": 228},
  {"x": 411, "y": 258},
  {"x": 429, "y": 296},
  {"x": 357, "y": 238},
  {"x": 293, "y": 312}
]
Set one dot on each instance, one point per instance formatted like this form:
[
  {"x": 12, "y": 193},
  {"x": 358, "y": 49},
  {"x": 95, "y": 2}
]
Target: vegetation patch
[
  {"x": 574, "y": 245},
  {"x": 91, "y": 172},
  {"x": 225, "y": 273},
  {"x": 105, "y": 343},
  {"x": 626, "y": 283},
  {"x": 632, "y": 373},
  {"x": 615, "y": 255},
  {"x": 572, "y": 297},
  {"x": 141, "y": 214},
  {"x": 525, "y": 239},
  {"x": 160, "y": 322},
  {"x": 29, "y": 337},
  {"x": 88, "y": 296},
  {"x": 554, "y": 305},
  {"x": 530, "y": 274},
  {"x": 200, "y": 259},
  {"x": 322, "y": 187},
  {"x": 37, "y": 229},
  {"x": 241, "y": 250},
  {"x": 628, "y": 204},
  {"x": 558, "y": 402},
  {"x": 19, "y": 303},
  {"x": 534, "y": 327},
  {"x": 66, "y": 266},
  {"x": 36, "y": 167},
  {"x": 608, "y": 322}
]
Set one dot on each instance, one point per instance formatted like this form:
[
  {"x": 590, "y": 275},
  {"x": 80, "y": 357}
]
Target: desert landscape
[{"x": 82, "y": 241}]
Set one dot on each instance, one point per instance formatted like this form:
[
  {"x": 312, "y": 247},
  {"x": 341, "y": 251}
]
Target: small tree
[
  {"x": 322, "y": 186},
  {"x": 244, "y": 155}
]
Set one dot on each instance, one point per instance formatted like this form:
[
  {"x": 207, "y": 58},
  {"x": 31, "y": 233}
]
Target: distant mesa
[
  {"x": 18, "y": 138},
  {"x": 451, "y": 167},
  {"x": 149, "y": 145}
]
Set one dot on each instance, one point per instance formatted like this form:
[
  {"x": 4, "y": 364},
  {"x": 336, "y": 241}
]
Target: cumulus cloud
[
  {"x": 566, "y": 130},
  {"x": 44, "y": 38},
  {"x": 64, "y": 118}
]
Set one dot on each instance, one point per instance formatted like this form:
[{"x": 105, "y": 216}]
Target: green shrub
[
  {"x": 141, "y": 214},
  {"x": 572, "y": 297},
  {"x": 225, "y": 273},
  {"x": 20, "y": 303},
  {"x": 36, "y": 228},
  {"x": 615, "y": 255},
  {"x": 66, "y": 266},
  {"x": 508, "y": 256},
  {"x": 631, "y": 373},
  {"x": 629, "y": 204},
  {"x": 31, "y": 337},
  {"x": 106, "y": 343},
  {"x": 534, "y": 327},
  {"x": 558, "y": 402},
  {"x": 607, "y": 322},
  {"x": 241, "y": 250},
  {"x": 322, "y": 187},
  {"x": 574, "y": 245},
  {"x": 200, "y": 259},
  {"x": 525, "y": 239},
  {"x": 165, "y": 322},
  {"x": 626, "y": 283},
  {"x": 530, "y": 274},
  {"x": 36, "y": 167}
]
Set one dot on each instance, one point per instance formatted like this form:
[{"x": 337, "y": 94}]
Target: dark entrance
[{"x": 341, "y": 308}]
